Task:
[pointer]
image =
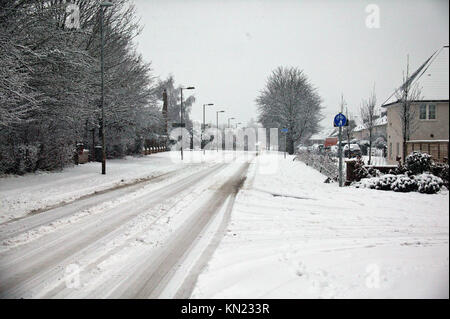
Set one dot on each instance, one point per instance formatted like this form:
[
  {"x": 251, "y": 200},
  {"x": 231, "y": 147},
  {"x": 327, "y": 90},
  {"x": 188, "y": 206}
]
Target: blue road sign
[
  {"x": 340, "y": 120},
  {"x": 284, "y": 130}
]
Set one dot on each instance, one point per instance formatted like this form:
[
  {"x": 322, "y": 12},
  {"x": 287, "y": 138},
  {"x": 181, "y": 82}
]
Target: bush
[
  {"x": 404, "y": 184},
  {"x": 423, "y": 183},
  {"x": 441, "y": 170},
  {"x": 418, "y": 163},
  {"x": 428, "y": 183},
  {"x": 361, "y": 171}
]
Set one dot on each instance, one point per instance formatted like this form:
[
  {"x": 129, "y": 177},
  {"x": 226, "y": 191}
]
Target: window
[
  {"x": 398, "y": 149},
  {"x": 423, "y": 112},
  {"x": 427, "y": 112},
  {"x": 431, "y": 112}
]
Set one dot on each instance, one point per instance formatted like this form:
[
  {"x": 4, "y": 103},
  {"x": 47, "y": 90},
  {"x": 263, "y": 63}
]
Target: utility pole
[
  {"x": 103, "y": 6},
  {"x": 181, "y": 122},
  {"x": 217, "y": 129},
  {"x": 348, "y": 131},
  {"x": 181, "y": 116},
  {"x": 340, "y": 144},
  {"x": 203, "y": 128}
]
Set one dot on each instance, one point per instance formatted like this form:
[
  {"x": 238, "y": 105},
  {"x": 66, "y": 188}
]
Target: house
[
  {"x": 429, "y": 128},
  {"x": 320, "y": 138},
  {"x": 360, "y": 132}
]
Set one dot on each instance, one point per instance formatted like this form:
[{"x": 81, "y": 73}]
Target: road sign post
[
  {"x": 340, "y": 120},
  {"x": 285, "y": 130}
]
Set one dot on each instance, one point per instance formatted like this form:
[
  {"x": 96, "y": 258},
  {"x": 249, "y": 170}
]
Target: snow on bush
[
  {"x": 404, "y": 184},
  {"x": 442, "y": 171},
  {"x": 361, "y": 171},
  {"x": 423, "y": 183},
  {"x": 418, "y": 163},
  {"x": 428, "y": 183}
]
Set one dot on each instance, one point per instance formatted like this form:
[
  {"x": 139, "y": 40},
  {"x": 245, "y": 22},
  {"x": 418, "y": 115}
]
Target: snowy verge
[{"x": 322, "y": 241}]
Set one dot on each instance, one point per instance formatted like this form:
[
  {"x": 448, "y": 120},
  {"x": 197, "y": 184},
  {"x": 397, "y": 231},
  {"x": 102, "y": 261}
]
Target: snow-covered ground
[
  {"x": 146, "y": 240},
  {"x": 293, "y": 236},
  {"x": 21, "y": 195}
]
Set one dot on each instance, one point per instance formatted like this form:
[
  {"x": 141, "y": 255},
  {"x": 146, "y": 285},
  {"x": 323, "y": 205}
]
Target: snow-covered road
[{"x": 150, "y": 239}]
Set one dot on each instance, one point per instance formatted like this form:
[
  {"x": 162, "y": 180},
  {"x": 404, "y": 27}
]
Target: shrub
[
  {"x": 428, "y": 183},
  {"x": 441, "y": 170},
  {"x": 418, "y": 163},
  {"x": 361, "y": 171},
  {"x": 404, "y": 184}
]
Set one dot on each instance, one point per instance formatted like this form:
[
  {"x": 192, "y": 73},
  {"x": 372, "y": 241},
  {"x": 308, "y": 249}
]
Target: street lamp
[
  {"x": 230, "y": 118},
  {"x": 238, "y": 124},
  {"x": 103, "y": 6},
  {"x": 217, "y": 135},
  {"x": 181, "y": 116},
  {"x": 203, "y": 128}
]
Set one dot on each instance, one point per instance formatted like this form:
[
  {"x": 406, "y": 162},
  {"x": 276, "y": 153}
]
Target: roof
[
  {"x": 324, "y": 134},
  {"x": 378, "y": 122},
  {"x": 431, "y": 78}
]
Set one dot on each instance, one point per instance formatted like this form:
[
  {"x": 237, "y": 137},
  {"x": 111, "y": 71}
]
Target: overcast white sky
[{"x": 227, "y": 49}]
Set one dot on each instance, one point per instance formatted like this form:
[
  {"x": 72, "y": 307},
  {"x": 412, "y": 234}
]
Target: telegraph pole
[
  {"x": 181, "y": 122},
  {"x": 340, "y": 144}
]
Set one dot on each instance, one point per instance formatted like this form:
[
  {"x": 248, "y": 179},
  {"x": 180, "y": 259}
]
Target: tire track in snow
[
  {"x": 149, "y": 279},
  {"x": 24, "y": 269}
]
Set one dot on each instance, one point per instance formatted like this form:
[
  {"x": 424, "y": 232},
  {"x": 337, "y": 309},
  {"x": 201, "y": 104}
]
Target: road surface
[{"x": 147, "y": 240}]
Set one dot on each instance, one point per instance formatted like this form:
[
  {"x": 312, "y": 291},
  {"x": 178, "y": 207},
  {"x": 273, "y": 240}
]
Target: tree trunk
[{"x": 370, "y": 146}]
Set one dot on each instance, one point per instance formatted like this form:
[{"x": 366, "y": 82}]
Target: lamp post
[
  {"x": 103, "y": 6},
  {"x": 181, "y": 116},
  {"x": 203, "y": 128},
  {"x": 230, "y": 118},
  {"x": 217, "y": 135}
]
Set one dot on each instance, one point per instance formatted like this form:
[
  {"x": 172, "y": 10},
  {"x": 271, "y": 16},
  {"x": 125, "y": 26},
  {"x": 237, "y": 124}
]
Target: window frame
[{"x": 427, "y": 112}]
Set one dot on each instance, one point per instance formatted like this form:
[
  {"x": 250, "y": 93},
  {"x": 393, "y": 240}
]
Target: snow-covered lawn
[{"x": 293, "y": 236}]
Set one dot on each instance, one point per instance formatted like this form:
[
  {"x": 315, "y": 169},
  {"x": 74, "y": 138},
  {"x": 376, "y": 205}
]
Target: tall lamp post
[
  {"x": 217, "y": 135},
  {"x": 103, "y": 6},
  {"x": 203, "y": 128},
  {"x": 230, "y": 118},
  {"x": 181, "y": 116}
]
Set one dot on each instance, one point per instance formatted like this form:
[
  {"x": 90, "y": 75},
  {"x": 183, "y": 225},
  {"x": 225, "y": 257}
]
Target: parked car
[{"x": 352, "y": 151}]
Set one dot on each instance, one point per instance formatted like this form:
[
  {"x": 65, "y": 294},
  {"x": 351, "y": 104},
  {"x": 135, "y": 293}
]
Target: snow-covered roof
[
  {"x": 378, "y": 122},
  {"x": 324, "y": 134},
  {"x": 431, "y": 79}
]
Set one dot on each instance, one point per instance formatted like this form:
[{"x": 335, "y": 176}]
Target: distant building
[
  {"x": 431, "y": 110},
  {"x": 360, "y": 132},
  {"x": 320, "y": 138}
]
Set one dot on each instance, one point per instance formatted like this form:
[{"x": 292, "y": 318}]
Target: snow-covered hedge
[{"x": 422, "y": 183}]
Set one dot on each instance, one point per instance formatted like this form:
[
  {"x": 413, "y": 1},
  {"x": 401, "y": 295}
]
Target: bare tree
[
  {"x": 368, "y": 116},
  {"x": 290, "y": 101},
  {"x": 406, "y": 95},
  {"x": 349, "y": 127}
]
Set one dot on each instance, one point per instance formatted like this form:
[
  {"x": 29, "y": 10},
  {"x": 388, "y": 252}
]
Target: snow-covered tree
[
  {"x": 368, "y": 114},
  {"x": 290, "y": 101},
  {"x": 50, "y": 83}
]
